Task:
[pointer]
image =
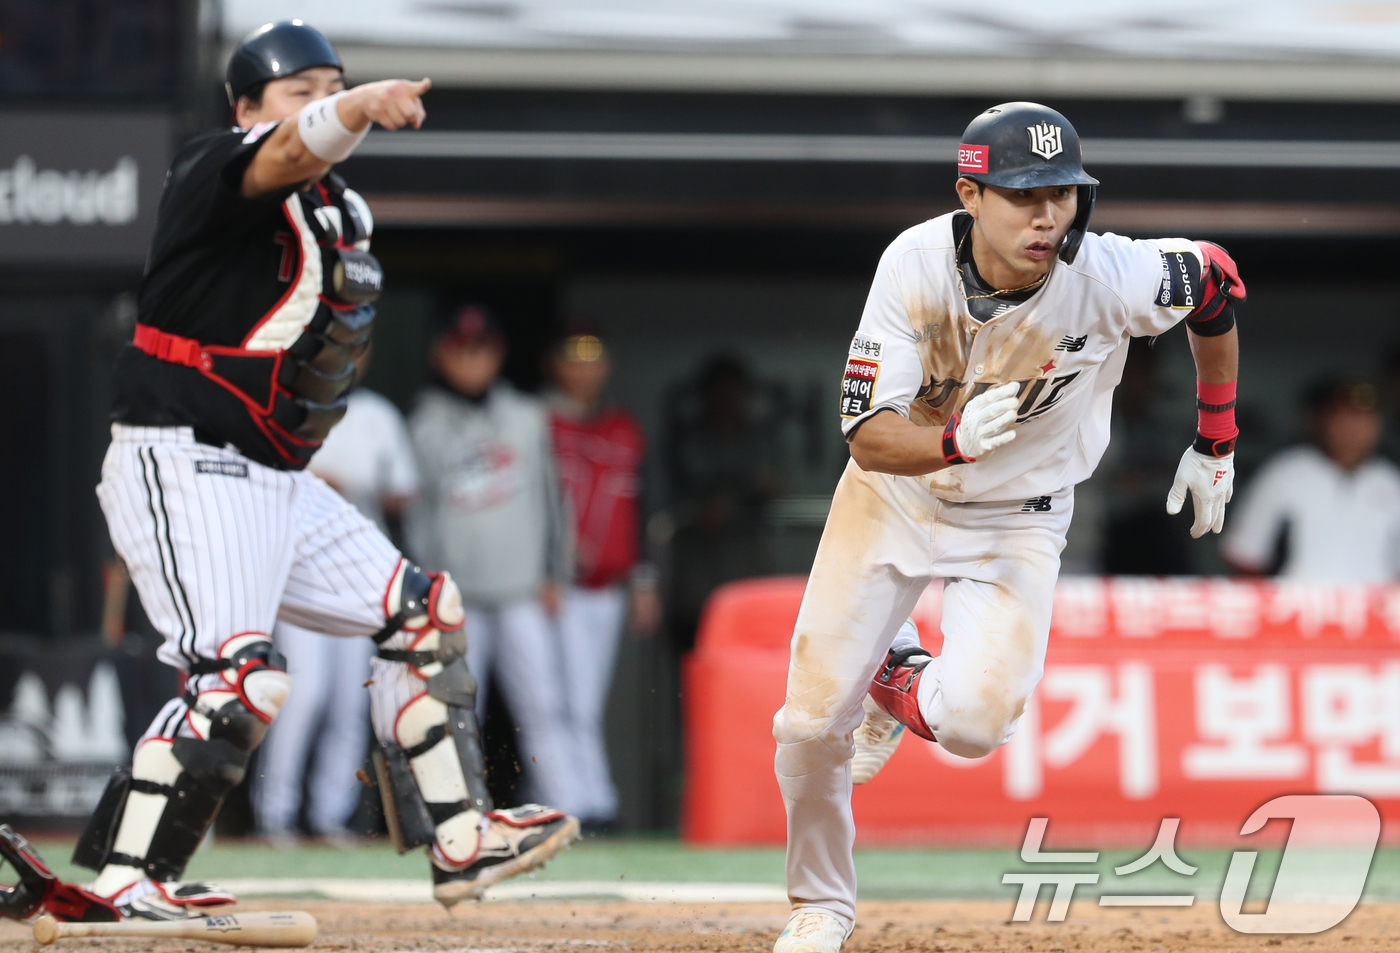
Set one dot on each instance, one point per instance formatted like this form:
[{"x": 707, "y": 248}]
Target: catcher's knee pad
[
  {"x": 153, "y": 815},
  {"x": 423, "y": 616},
  {"x": 255, "y": 676}
]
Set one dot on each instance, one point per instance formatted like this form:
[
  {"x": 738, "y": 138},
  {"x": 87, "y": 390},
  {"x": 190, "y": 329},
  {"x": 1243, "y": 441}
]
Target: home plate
[{"x": 421, "y": 891}]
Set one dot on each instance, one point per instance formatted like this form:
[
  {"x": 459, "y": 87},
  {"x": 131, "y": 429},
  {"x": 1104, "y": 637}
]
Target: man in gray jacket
[{"x": 490, "y": 513}]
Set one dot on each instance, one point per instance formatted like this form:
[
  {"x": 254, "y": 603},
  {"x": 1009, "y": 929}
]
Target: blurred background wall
[{"x": 699, "y": 180}]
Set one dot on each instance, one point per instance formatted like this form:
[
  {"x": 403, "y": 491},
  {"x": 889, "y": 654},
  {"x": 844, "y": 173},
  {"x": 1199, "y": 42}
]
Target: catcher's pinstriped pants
[{"x": 218, "y": 545}]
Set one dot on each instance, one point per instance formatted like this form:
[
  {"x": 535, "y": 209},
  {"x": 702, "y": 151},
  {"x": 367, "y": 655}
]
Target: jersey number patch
[{"x": 858, "y": 386}]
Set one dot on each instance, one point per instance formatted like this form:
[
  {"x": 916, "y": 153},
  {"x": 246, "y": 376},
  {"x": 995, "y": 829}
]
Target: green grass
[{"x": 883, "y": 874}]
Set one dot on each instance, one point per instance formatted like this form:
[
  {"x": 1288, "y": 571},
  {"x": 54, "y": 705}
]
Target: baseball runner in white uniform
[
  {"x": 255, "y": 303},
  {"x": 976, "y": 395}
]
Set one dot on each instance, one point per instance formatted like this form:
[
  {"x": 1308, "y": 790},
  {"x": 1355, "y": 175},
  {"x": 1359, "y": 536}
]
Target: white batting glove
[
  {"x": 1211, "y": 481},
  {"x": 984, "y": 424}
]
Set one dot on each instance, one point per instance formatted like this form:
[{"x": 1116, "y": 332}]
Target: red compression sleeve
[{"x": 1215, "y": 410}]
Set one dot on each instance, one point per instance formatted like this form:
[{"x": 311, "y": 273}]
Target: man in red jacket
[{"x": 599, "y": 454}]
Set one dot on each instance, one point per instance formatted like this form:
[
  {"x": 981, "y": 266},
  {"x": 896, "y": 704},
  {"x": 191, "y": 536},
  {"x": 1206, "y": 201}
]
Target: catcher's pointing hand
[
  {"x": 1211, "y": 481},
  {"x": 393, "y": 103},
  {"x": 986, "y": 421}
]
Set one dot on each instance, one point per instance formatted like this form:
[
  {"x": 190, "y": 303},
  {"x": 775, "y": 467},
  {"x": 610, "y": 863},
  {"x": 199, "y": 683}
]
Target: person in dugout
[{"x": 598, "y": 451}]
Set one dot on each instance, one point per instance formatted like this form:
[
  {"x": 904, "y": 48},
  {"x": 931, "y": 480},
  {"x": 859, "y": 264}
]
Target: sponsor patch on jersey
[
  {"x": 1181, "y": 281},
  {"x": 858, "y": 386},
  {"x": 222, "y": 468},
  {"x": 973, "y": 158},
  {"x": 867, "y": 346}
]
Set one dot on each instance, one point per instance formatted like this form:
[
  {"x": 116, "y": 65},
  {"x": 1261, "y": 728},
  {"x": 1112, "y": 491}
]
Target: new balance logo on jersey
[
  {"x": 1036, "y": 504},
  {"x": 1045, "y": 140},
  {"x": 1071, "y": 345}
]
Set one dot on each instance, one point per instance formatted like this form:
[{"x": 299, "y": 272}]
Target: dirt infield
[{"x": 940, "y": 927}]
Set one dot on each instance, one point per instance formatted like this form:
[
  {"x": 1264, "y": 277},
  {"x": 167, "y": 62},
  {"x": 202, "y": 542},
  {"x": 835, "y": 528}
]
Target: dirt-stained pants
[{"x": 887, "y": 537}]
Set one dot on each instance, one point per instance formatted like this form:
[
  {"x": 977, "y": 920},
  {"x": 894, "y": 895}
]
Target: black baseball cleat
[{"x": 514, "y": 842}]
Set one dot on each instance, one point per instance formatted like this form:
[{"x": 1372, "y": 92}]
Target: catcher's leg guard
[
  {"x": 431, "y": 773},
  {"x": 152, "y": 817},
  {"x": 417, "y": 765},
  {"x": 441, "y": 797}
]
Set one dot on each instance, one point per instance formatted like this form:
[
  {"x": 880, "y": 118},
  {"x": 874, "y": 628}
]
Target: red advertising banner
[{"x": 1192, "y": 698}]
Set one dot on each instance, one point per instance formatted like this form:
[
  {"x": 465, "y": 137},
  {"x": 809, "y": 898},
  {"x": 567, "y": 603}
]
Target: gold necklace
[{"x": 957, "y": 257}]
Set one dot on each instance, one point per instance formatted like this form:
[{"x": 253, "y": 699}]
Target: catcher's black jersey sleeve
[{"x": 214, "y": 262}]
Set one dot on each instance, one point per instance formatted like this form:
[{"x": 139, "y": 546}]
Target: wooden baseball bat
[{"x": 238, "y": 929}]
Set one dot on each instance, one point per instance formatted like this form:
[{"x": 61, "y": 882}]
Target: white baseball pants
[
  {"x": 325, "y": 719},
  {"x": 886, "y": 538},
  {"x": 590, "y": 625},
  {"x": 218, "y": 545},
  {"x": 519, "y": 644}
]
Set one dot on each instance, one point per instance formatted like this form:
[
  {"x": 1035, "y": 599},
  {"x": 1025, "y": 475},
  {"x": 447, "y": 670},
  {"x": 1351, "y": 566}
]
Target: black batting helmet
[
  {"x": 275, "y": 50},
  {"x": 1029, "y": 146}
]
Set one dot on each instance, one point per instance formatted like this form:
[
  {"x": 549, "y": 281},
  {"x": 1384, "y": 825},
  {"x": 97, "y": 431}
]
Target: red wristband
[
  {"x": 951, "y": 453},
  {"x": 1215, "y": 410}
]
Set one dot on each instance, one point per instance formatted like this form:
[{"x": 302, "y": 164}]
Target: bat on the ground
[{"x": 238, "y": 929}]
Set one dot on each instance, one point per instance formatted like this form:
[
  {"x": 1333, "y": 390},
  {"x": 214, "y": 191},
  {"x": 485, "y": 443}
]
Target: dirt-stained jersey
[{"x": 919, "y": 351}]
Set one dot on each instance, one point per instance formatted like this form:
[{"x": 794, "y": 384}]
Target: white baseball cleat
[
  {"x": 876, "y": 738},
  {"x": 812, "y": 930},
  {"x": 148, "y": 899}
]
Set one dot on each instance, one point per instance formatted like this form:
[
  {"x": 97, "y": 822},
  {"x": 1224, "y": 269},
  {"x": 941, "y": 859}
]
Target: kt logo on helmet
[{"x": 1045, "y": 140}]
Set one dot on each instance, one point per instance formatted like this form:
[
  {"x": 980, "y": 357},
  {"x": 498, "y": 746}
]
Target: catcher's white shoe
[
  {"x": 514, "y": 841},
  {"x": 148, "y": 899},
  {"x": 812, "y": 930},
  {"x": 876, "y": 738}
]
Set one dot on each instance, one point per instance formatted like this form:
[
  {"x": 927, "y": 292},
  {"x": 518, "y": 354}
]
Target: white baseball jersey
[
  {"x": 993, "y": 528},
  {"x": 1342, "y": 527},
  {"x": 920, "y": 353},
  {"x": 369, "y": 455}
]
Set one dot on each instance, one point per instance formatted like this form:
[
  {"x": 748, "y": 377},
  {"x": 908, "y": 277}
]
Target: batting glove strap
[
  {"x": 1215, "y": 446},
  {"x": 951, "y": 453}
]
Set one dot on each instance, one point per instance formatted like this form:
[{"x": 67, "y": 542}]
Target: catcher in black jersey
[
  {"x": 256, "y": 301},
  {"x": 261, "y": 257}
]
